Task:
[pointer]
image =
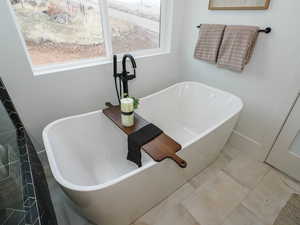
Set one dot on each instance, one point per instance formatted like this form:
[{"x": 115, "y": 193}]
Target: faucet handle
[{"x": 131, "y": 77}]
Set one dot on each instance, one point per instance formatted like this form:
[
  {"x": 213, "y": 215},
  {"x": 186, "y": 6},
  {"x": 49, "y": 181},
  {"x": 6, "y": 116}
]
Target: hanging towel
[
  {"x": 208, "y": 45},
  {"x": 237, "y": 47},
  {"x": 139, "y": 138}
]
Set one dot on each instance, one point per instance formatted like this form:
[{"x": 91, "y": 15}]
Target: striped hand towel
[
  {"x": 210, "y": 37},
  {"x": 237, "y": 47}
]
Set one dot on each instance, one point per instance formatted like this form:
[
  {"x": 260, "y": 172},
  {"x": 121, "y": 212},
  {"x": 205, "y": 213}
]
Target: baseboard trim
[{"x": 244, "y": 143}]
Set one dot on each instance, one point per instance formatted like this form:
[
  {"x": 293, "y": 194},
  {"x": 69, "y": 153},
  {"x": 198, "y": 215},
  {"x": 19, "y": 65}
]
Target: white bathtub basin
[{"x": 87, "y": 153}]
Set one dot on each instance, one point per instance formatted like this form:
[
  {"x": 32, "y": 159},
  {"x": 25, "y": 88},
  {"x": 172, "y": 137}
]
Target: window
[
  {"x": 64, "y": 31},
  {"x": 135, "y": 24}
]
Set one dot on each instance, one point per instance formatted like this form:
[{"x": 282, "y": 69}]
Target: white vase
[{"x": 127, "y": 112}]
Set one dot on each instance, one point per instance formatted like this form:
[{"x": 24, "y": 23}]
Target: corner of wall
[{"x": 252, "y": 147}]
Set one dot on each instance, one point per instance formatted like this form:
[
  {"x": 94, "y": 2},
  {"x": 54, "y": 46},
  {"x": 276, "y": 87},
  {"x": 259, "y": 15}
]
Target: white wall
[
  {"x": 270, "y": 82},
  {"x": 42, "y": 99}
]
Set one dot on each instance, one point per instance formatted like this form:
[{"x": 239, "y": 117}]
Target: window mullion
[
  {"x": 166, "y": 23},
  {"x": 106, "y": 28}
]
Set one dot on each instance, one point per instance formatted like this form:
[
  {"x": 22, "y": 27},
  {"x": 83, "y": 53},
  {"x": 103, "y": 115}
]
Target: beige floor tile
[
  {"x": 211, "y": 171},
  {"x": 231, "y": 151},
  {"x": 215, "y": 200},
  {"x": 247, "y": 171},
  {"x": 177, "y": 216},
  {"x": 268, "y": 198},
  {"x": 242, "y": 216},
  {"x": 292, "y": 184},
  {"x": 170, "y": 211}
]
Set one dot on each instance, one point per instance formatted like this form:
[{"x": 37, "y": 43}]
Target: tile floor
[{"x": 234, "y": 190}]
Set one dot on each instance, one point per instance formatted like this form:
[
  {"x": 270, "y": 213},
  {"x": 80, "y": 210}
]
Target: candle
[{"x": 127, "y": 112}]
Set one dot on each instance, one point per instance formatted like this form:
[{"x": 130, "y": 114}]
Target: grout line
[
  {"x": 247, "y": 195},
  {"x": 27, "y": 200},
  {"x": 165, "y": 199},
  {"x": 249, "y": 188},
  {"x": 36, "y": 220},
  {"x": 10, "y": 163},
  {"x": 8, "y": 216},
  {"x": 260, "y": 181},
  {"x": 282, "y": 176},
  {"x": 22, "y": 221},
  {"x": 236, "y": 180},
  {"x": 188, "y": 212},
  {"x": 16, "y": 210},
  {"x": 33, "y": 185},
  {"x": 42, "y": 151},
  {"x": 254, "y": 189}
]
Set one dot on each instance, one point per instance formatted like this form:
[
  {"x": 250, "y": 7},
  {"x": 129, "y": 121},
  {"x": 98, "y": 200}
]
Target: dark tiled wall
[{"x": 28, "y": 199}]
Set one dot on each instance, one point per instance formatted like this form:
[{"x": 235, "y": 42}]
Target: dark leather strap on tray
[{"x": 127, "y": 113}]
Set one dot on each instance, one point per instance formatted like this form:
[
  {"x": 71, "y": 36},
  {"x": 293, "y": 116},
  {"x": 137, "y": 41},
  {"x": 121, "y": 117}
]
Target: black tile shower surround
[{"x": 37, "y": 204}]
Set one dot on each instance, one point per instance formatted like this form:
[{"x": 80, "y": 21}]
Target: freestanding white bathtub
[{"x": 87, "y": 153}]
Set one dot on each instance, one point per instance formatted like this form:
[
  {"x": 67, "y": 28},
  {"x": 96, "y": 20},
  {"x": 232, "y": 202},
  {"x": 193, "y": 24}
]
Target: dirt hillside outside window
[{"x": 60, "y": 31}]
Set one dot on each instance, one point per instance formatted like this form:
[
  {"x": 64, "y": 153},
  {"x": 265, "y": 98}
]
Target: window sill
[{"x": 52, "y": 69}]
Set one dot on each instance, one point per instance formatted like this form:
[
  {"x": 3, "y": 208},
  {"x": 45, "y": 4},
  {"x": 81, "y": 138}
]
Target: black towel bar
[{"x": 267, "y": 30}]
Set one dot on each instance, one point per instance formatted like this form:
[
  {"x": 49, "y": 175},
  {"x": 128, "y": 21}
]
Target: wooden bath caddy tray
[{"x": 159, "y": 148}]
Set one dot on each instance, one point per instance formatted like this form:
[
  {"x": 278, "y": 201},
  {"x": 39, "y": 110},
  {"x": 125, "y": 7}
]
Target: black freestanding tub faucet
[{"x": 124, "y": 76}]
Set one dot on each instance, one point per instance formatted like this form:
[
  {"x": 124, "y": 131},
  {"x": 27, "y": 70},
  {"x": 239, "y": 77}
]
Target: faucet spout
[
  {"x": 125, "y": 74},
  {"x": 124, "y": 61}
]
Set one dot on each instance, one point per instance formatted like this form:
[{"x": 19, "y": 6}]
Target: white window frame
[{"x": 164, "y": 48}]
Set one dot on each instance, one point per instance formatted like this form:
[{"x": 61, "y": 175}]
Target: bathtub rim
[{"x": 75, "y": 187}]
